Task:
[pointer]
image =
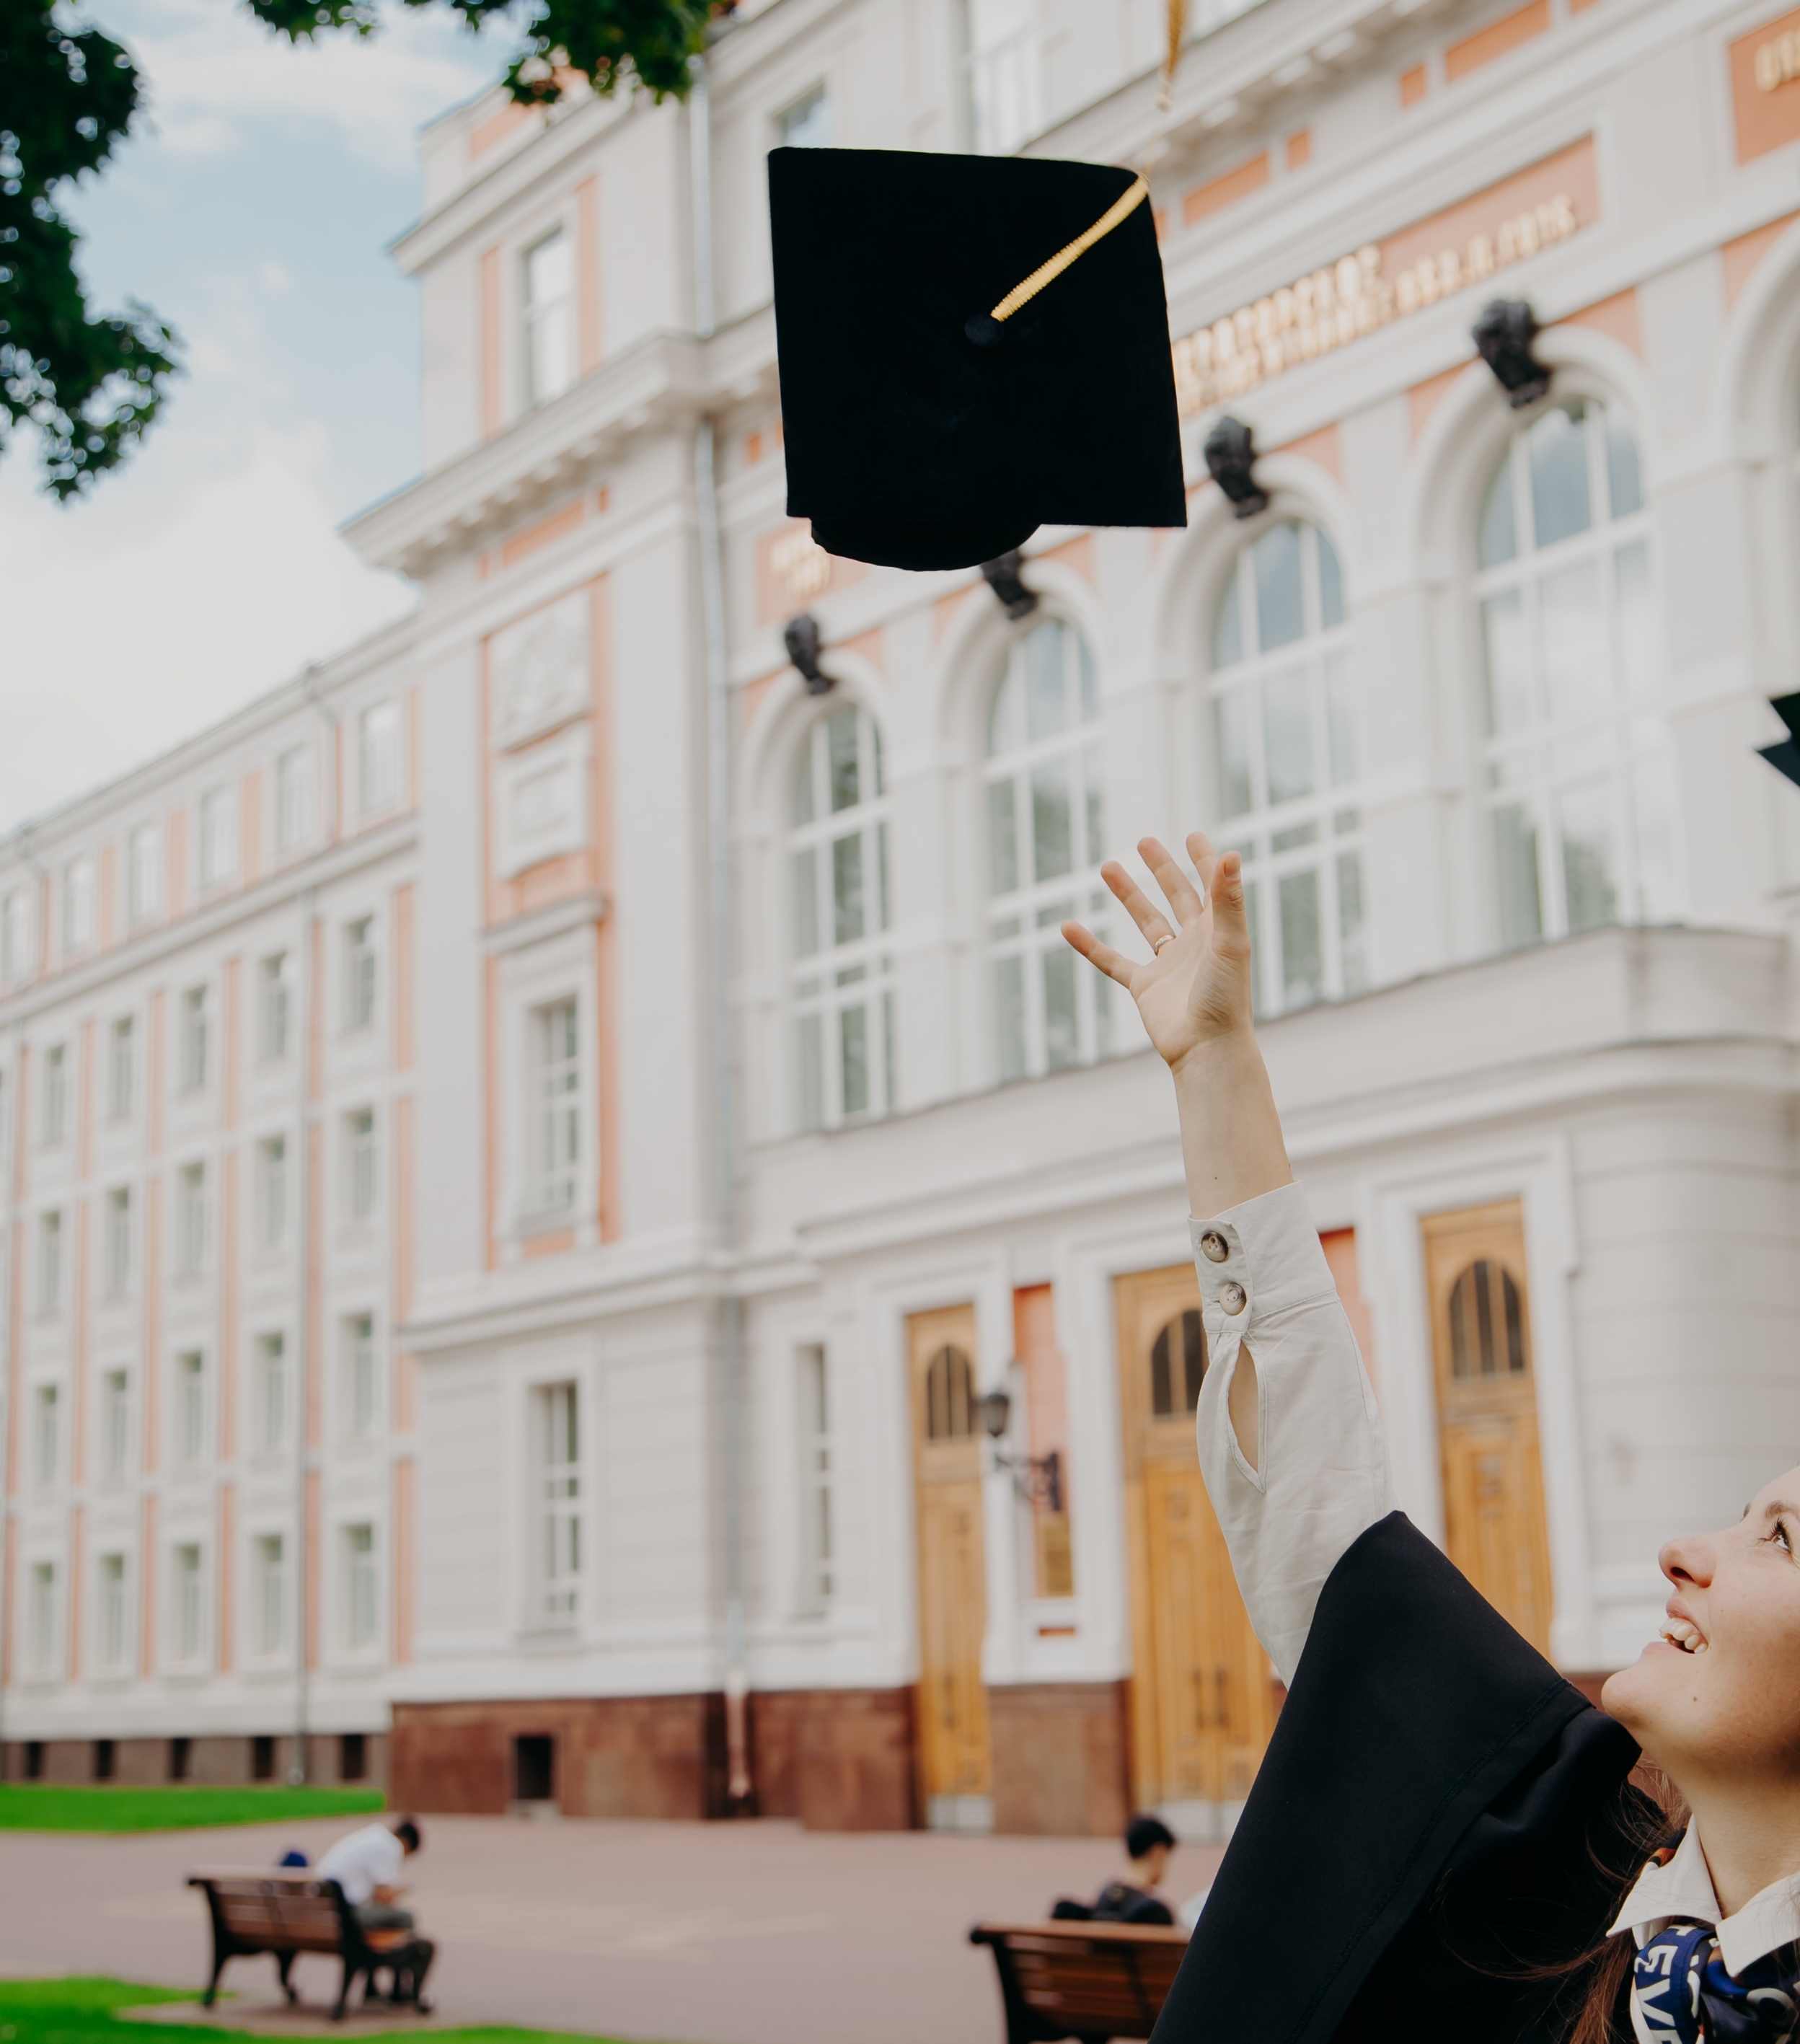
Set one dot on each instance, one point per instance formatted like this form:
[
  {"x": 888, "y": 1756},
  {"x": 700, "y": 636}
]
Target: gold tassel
[{"x": 1177, "y": 30}]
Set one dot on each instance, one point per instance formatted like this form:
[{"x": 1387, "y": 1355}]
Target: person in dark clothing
[{"x": 1149, "y": 1841}]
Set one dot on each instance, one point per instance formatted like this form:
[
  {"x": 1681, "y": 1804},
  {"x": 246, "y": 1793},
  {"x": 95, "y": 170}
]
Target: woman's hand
[{"x": 1194, "y": 990}]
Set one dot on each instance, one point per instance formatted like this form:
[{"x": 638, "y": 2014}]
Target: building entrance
[
  {"x": 1494, "y": 1524},
  {"x": 955, "y": 1759},
  {"x": 1202, "y": 1705}
]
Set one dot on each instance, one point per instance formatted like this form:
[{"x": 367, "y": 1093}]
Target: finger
[
  {"x": 1206, "y": 859},
  {"x": 1166, "y": 870},
  {"x": 1231, "y": 924},
  {"x": 1137, "y": 904},
  {"x": 1114, "y": 964}
]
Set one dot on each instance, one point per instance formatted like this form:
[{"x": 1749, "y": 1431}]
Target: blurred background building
[{"x": 449, "y": 1317}]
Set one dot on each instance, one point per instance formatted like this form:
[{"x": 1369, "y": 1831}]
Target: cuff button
[
  {"x": 1232, "y": 1296},
  {"x": 1214, "y": 1247}
]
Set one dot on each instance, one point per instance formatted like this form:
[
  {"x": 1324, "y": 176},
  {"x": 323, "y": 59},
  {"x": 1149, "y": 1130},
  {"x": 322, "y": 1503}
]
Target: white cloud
[
  {"x": 218, "y": 78},
  {"x": 168, "y": 601}
]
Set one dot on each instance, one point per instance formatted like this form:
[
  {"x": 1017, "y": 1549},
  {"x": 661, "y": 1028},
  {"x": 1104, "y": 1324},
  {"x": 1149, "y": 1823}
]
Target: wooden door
[
  {"x": 1494, "y": 1523},
  {"x": 1202, "y": 1705},
  {"x": 954, "y": 1757}
]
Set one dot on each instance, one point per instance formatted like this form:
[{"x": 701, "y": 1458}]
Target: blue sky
[{"x": 253, "y": 211}]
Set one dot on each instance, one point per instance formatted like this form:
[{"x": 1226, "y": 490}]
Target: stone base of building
[
  {"x": 1062, "y": 1758},
  {"x": 333, "y": 1760},
  {"x": 839, "y": 1760}
]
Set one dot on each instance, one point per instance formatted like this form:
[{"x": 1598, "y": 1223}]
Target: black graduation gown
[{"x": 1438, "y": 1813}]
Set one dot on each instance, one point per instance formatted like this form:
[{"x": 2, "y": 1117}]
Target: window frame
[
  {"x": 362, "y": 975},
  {"x": 274, "y": 1007},
  {"x": 379, "y": 774},
  {"x": 195, "y": 1048},
  {"x": 79, "y": 904},
  {"x": 291, "y": 824},
  {"x": 122, "y": 1070},
  {"x": 144, "y": 874},
  {"x": 355, "y": 1583},
  {"x": 181, "y": 1655},
  {"x": 270, "y": 1570},
  {"x": 119, "y": 1247},
  {"x": 533, "y": 315},
  {"x": 106, "y": 1606},
  {"x": 557, "y": 1542},
  {"x": 191, "y": 1393},
  {"x": 53, "y": 1097},
  {"x": 191, "y": 1234},
  {"x": 360, "y": 1134},
  {"x": 215, "y": 850}
]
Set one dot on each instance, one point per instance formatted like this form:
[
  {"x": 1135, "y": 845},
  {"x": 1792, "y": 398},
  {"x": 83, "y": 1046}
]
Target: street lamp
[{"x": 1037, "y": 1479}]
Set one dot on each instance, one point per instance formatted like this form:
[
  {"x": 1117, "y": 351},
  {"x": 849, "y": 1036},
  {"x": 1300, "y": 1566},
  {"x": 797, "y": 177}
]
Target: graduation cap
[
  {"x": 970, "y": 347},
  {"x": 1784, "y": 756}
]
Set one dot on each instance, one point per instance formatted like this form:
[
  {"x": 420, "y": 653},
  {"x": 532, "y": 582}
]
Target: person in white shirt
[
  {"x": 1443, "y": 1843},
  {"x": 367, "y": 1865}
]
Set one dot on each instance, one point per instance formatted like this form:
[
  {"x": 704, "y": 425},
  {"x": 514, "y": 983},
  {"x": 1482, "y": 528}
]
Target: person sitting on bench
[
  {"x": 366, "y": 1865},
  {"x": 1149, "y": 1841}
]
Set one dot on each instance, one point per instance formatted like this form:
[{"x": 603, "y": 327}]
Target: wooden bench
[
  {"x": 284, "y": 1913},
  {"x": 1082, "y": 1980}
]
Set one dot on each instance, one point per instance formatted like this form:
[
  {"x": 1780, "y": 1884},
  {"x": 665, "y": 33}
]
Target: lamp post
[{"x": 1037, "y": 1479}]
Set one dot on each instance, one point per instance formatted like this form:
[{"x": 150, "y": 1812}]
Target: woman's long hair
[{"x": 1648, "y": 1811}]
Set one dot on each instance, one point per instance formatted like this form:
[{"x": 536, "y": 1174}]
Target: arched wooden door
[
  {"x": 955, "y": 1759},
  {"x": 1494, "y": 1529},
  {"x": 1203, "y": 1704}
]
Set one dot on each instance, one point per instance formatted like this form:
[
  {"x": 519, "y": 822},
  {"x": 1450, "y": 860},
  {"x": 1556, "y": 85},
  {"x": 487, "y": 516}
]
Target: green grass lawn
[
  {"x": 45, "y": 1807},
  {"x": 84, "y": 2011}
]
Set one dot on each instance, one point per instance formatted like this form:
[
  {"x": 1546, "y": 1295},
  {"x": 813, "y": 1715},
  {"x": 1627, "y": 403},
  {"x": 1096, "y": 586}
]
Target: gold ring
[{"x": 1155, "y": 948}]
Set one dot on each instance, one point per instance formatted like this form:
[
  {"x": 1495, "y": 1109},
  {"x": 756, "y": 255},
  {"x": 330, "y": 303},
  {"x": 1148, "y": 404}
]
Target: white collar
[{"x": 1682, "y": 1892}]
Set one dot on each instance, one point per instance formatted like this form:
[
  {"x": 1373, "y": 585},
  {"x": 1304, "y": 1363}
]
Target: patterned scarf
[{"x": 1681, "y": 1991}]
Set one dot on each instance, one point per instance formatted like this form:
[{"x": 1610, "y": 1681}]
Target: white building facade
[{"x": 542, "y": 1446}]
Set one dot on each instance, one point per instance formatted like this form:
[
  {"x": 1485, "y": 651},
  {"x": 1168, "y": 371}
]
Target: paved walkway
[{"x": 700, "y": 1934}]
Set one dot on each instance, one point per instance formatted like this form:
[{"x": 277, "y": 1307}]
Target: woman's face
[{"x": 1718, "y": 1693}]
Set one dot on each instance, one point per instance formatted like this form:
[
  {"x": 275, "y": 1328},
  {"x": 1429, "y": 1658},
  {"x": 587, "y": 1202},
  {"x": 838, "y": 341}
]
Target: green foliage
[
  {"x": 85, "y": 2011},
  {"x": 609, "y": 42},
  {"x": 90, "y": 383},
  {"x": 47, "y": 1807}
]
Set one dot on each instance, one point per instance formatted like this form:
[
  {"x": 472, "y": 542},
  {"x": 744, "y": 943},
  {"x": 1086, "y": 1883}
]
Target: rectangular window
[
  {"x": 215, "y": 846},
  {"x": 115, "y": 1424},
  {"x": 187, "y": 1628},
  {"x": 119, "y": 1247},
  {"x": 557, "y": 1122},
  {"x": 144, "y": 873},
  {"x": 77, "y": 905},
  {"x": 805, "y": 123},
  {"x": 549, "y": 318},
  {"x": 54, "y": 1120},
  {"x": 294, "y": 797},
  {"x": 15, "y": 937},
  {"x": 271, "y": 1191},
  {"x": 110, "y": 1641},
  {"x": 815, "y": 1444},
  {"x": 269, "y": 1592},
  {"x": 190, "y": 1406},
  {"x": 274, "y": 1006},
  {"x": 271, "y": 1390},
  {"x": 46, "y": 1434},
  {"x": 195, "y": 1043},
  {"x": 377, "y": 756},
  {"x": 559, "y": 1502},
  {"x": 191, "y": 1220},
  {"x": 43, "y": 1616},
  {"x": 359, "y": 973},
  {"x": 121, "y": 1068},
  {"x": 49, "y": 1265},
  {"x": 358, "y": 1587},
  {"x": 359, "y": 1164},
  {"x": 359, "y": 1392}
]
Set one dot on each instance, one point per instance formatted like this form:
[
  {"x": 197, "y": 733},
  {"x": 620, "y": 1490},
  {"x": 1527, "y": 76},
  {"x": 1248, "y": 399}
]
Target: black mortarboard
[{"x": 921, "y": 431}]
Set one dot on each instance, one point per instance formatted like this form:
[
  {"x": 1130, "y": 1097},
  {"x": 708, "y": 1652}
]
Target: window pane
[
  {"x": 1624, "y": 484},
  {"x": 1009, "y": 1016},
  {"x": 1590, "y": 856},
  {"x": 1287, "y": 724},
  {"x": 841, "y": 746},
  {"x": 1497, "y": 540},
  {"x": 1051, "y": 824},
  {"x": 1576, "y": 656},
  {"x": 846, "y": 889},
  {"x": 1303, "y": 966},
  {"x": 1062, "y": 1036},
  {"x": 1085, "y": 668},
  {"x": 1341, "y": 719},
  {"x": 852, "y": 1031},
  {"x": 1653, "y": 806},
  {"x": 1330, "y": 583},
  {"x": 1231, "y": 728},
  {"x": 1637, "y": 645},
  {"x": 803, "y": 783},
  {"x": 1227, "y": 627},
  {"x": 1006, "y": 726},
  {"x": 1515, "y": 865},
  {"x": 1275, "y": 561},
  {"x": 1558, "y": 447},
  {"x": 1046, "y": 698},
  {"x": 1003, "y": 836},
  {"x": 811, "y": 1037},
  {"x": 1093, "y": 781},
  {"x": 1508, "y": 662},
  {"x": 1350, "y": 937}
]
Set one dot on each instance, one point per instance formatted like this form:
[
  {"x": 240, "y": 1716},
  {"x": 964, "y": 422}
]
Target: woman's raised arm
[{"x": 1289, "y": 1442}]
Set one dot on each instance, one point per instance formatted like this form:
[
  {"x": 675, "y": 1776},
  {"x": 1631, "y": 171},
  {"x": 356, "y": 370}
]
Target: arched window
[
  {"x": 1285, "y": 741},
  {"x": 1178, "y": 1361},
  {"x": 1487, "y": 1323},
  {"x": 1044, "y": 840},
  {"x": 1580, "y": 782},
  {"x": 843, "y": 1001},
  {"x": 949, "y": 1396}
]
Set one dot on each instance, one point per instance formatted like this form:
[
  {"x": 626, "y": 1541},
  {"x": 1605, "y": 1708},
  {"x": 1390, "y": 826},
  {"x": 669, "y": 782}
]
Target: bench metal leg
[
  {"x": 351, "y": 1970},
  {"x": 212, "y": 1993},
  {"x": 284, "y": 1965}
]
